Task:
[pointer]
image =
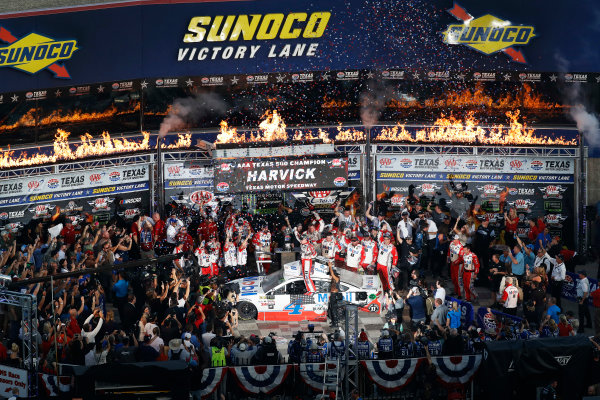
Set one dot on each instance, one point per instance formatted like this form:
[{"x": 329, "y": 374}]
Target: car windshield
[{"x": 272, "y": 280}]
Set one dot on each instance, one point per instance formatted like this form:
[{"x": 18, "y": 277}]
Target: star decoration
[
  {"x": 57, "y": 93},
  {"x": 370, "y": 75},
  {"x": 1, "y": 98},
  {"x": 553, "y": 78},
  {"x": 460, "y": 77},
  {"x": 416, "y": 75},
  {"x": 234, "y": 80},
  {"x": 144, "y": 84},
  {"x": 325, "y": 76},
  {"x": 14, "y": 98},
  {"x": 100, "y": 89},
  {"x": 280, "y": 78},
  {"x": 507, "y": 77},
  {"x": 189, "y": 82},
  {"x": 598, "y": 79}
]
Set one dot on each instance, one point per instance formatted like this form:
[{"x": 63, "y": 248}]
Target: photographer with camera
[
  {"x": 267, "y": 353},
  {"x": 243, "y": 352}
]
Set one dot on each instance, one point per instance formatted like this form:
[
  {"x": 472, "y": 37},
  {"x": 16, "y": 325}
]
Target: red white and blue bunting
[
  {"x": 261, "y": 379},
  {"x": 49, "y": 385},
  {"x": 211, "y": 379},
  {"x": 390, "y": 375},
  {"x": 313, "y": 375},
  {"x": 457, "y": 369}
]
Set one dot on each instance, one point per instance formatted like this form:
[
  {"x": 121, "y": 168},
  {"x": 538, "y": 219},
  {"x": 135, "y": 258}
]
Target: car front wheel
[{"x": 247, "y": 311}]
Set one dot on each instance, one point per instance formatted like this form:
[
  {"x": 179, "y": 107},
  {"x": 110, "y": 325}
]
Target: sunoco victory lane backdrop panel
[
  {"x": 123, "y": 190},
  {"x": 253, "y": 37},
  {"x": 281, "y": 174},
  {"x": 534, "y": 187}
]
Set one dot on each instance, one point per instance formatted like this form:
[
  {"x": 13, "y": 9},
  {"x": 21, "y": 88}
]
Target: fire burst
[
  {"x": 271, "y": 129},
  {"x": 88, "y": 147},
  {"x": 453, "y": 130}
]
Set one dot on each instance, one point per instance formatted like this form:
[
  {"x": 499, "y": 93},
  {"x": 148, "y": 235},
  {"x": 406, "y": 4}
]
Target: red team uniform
[
  {"x": 307, "y": 255},
  {"x": 454, "y": 252},
  {"x": 470, "y": 268},
  {"x": 386, "y": 259}
]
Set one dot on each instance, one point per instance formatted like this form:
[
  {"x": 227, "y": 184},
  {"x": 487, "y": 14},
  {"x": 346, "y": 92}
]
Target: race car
[{"x": 281, "y": 296}]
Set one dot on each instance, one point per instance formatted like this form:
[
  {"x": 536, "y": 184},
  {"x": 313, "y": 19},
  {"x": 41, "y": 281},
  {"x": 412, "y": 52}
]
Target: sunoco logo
[
  {"x": 537, "y": 165},
  {"x": 487, "y": 34},
  {"x": 34, "y": 52},
  {"x": 114, "y": 176}
]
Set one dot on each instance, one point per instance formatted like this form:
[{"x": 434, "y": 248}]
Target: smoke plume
[
  {"x": 372, "y": 101},
  {"x": 190, "y": 110},
  {"x": 587, "y": 122}
]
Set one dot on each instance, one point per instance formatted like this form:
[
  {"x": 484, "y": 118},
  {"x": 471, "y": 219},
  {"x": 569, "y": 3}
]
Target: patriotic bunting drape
[
  {"x": 211, "y": 379},
  {"x": 390, "y": 375},
  {"x": 261, "y": 379},
  {"x": 49, "y": 385},
  {"x": 313, "y": 374},
  {"x": 457, "y": 369}
]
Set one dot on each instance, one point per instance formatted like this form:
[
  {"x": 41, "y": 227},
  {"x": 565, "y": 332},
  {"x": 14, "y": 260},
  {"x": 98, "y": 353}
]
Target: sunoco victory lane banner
[
  {"x": 188, "y": 182},
  {"x": 164, "y": 40},
  {"x": 123, "y": 190},
  {"x": 281, "y": 174}
]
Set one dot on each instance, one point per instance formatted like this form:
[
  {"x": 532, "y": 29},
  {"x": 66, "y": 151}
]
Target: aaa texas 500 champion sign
[{"x": 277, "y": 174}]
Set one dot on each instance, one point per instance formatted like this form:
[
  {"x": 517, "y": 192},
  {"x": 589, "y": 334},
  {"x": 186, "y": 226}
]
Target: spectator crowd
[{"x": 184, "y": 309}]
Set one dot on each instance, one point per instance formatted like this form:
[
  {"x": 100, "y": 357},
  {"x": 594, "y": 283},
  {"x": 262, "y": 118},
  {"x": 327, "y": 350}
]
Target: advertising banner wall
[
  {"x": 85, "y": 181},
  {"x": 165, "y": 40},
  {"x": 189, "y": 182},
  {"x": 533, "y": 186},
  {"x": 123, "y": 191},
  {"x": 281, "y": 174},
  {"x": 12, "y": 379}
]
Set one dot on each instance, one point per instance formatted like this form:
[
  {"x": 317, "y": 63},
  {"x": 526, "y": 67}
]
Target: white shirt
[
  {"x": 512, "y": 298},
  {"x": 545, "y": 259},
  {"x": 405, "y": 228},
  {"x": 440, "y": 293},
  {"x": 559, "y": 272},
  {"x": 172, "y": 233},
  {"x": 583, "y": 286},
  {"x": 433, "y": 230}
]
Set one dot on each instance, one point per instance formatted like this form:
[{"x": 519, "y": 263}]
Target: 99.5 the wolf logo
[{"x": 34, "y": 52}]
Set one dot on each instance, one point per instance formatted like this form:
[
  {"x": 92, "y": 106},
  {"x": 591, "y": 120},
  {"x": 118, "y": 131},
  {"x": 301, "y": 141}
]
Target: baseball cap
[
  {"x": 268, "y": 339},
  {"x": 404, "y": 213},
  {"x": 446, "y": 216},
  {"x": 243, "y": 346},
  {"x": 529, "y": 246},
  {"x": 254, "y": 339}
]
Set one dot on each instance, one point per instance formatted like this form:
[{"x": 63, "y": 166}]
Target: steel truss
[
  {"x": 189, "y": 155},
  {"x": 351, "y": 331},
  {"x": 29, "y": 330},
  {"x": 399, "y": 148}
]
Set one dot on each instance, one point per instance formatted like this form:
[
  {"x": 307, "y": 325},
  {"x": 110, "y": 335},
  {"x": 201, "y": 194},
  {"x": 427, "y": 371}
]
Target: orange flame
[
  {"x": 526, "y": 98},
  {"x": 88, "y": 147},
  {"x": 333, "y": 103},
  {"x": 77, "y": 116},
  {"x": 349, "y": 135},
  {"x": 271, "y": 129},
  {"x": 453, "y": 130}
]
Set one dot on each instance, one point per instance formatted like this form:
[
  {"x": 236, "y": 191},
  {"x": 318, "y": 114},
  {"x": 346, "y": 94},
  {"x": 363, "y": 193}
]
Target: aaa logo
[
  {"x": 35, "y": 52},
  {"x": 488, "y": 34}
]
